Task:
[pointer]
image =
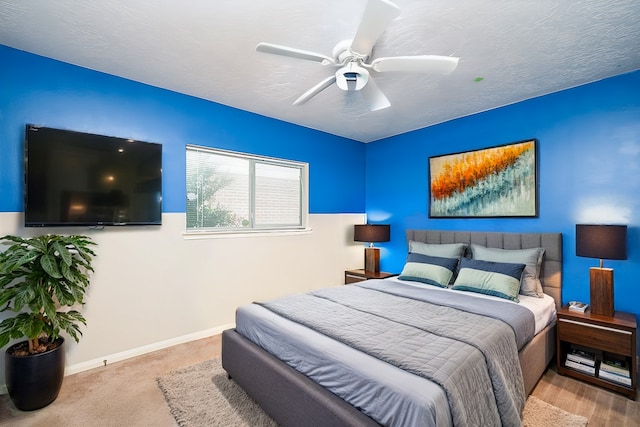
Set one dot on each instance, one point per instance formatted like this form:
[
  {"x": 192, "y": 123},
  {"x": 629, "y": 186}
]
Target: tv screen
[{"x": 80, "y": 179}]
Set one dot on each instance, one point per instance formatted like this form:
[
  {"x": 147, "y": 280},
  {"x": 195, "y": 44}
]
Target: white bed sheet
[{"x": 543, "y": 309}]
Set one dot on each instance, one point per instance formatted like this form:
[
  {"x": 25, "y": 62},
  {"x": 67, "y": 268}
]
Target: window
[{"x": 237, "y": 192}]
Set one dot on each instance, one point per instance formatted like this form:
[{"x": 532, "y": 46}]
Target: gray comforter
[{"x": 467, "y": 348}]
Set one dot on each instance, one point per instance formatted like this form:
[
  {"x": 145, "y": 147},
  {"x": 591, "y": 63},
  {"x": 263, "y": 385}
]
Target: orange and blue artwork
[{"x": 492, "y": 182}]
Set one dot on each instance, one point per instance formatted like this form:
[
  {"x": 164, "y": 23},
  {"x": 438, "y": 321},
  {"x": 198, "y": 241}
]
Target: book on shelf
[
  {"x": 582, "y": 356},
  {"x": 616, "y": 378},
  {"x": 587, "y": 369},
  {"x": 578, "y": 306},
  {"x": 615, "y": 366}
]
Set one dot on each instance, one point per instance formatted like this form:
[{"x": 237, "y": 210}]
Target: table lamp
[
  {"x": 371, "y": 233},
  {"x": 604, "y": 242}
]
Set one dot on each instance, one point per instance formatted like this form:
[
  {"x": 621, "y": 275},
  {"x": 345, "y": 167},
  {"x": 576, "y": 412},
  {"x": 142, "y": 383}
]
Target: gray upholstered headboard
[{"x": 551, "y": 273}]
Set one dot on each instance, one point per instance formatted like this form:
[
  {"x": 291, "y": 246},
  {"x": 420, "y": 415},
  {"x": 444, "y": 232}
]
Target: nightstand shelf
[
  {"x": 354, "y": 276},
  {"x": 604, "y": 336}
]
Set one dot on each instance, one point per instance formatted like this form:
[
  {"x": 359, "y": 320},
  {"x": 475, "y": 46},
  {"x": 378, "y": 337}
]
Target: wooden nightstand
[
  {"x": 353, "y": 276},
  {"x": 602, "y": 335}
]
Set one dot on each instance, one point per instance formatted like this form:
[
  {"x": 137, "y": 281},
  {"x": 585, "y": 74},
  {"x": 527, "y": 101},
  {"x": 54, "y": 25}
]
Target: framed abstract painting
[{"x": 491, "y": 182}]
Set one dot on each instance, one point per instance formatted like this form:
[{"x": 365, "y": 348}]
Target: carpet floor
[{"x": 201, "y": 395}]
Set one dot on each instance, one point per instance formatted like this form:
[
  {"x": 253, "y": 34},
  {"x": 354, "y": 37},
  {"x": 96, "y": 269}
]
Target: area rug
[{"x": 201, "y": 395}]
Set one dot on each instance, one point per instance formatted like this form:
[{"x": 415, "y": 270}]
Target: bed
[{"x": 295, "y": 398}]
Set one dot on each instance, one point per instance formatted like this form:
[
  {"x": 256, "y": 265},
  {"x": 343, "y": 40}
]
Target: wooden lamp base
[
  {"x": 372, "y": 259},
  {"x": 601, "y": 282}
]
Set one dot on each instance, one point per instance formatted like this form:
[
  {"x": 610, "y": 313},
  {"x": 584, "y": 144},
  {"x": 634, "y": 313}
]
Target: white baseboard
[{"x": 139, "y": 351}]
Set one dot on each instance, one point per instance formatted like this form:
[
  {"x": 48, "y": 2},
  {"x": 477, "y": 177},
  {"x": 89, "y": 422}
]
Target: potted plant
[{"x": 41, "y": 280}]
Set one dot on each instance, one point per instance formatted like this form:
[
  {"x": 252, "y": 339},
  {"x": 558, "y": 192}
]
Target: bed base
[
  {"x": 536, "y": 356},
  {"x": 289, "y": 397}
]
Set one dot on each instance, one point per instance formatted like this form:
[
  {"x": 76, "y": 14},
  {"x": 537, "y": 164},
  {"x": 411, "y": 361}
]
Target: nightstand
[
  {"x": 353, "y": 276},
  {"x": 604, "y": 336}
]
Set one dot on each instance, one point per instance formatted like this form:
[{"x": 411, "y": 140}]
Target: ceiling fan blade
[
  {"x": 419, "y": 64},
  {"x": 293, "y": 53},
  {"x": 377, "y": 16},
  {"x": 374, "y": 96},
  {"x": 315, "y": 90}
]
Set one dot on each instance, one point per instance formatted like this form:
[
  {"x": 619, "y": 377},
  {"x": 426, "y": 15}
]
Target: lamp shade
[
  {"x": 371, "y": 233},
  {"x": 601, "y": 241}
]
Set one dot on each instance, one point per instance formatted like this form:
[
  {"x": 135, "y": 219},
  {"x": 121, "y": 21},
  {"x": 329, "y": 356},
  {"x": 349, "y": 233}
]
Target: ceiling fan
[{"x": 352, "y": 56}]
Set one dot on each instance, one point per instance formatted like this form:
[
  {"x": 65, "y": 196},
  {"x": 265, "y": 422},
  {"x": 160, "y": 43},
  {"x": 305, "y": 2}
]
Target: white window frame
[{"x": 252, "y": 229}]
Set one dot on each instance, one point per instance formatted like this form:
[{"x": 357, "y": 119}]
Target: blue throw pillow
[
  {"x": 499, "y": 279},
  {"x": 431, "y": 270}
]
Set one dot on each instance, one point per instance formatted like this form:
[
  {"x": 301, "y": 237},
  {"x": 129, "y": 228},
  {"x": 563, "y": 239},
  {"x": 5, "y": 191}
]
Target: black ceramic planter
[{"x": 34, "y": 381}]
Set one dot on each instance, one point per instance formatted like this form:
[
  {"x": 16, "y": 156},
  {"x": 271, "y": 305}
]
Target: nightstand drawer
[
  {"x": 606, "y": 338},
  {"x": 350, "y": 278},
  {"x": 354, "y": 276}
]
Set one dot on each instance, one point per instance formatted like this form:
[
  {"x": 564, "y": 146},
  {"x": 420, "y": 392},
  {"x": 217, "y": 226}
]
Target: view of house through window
[{"x": 229, "y": 191}]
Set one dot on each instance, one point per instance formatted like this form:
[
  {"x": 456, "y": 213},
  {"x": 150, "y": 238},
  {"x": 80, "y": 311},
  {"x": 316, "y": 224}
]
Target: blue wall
[
  {"x": 50, "y": 93},
  {"x": 589, "y": 171}
]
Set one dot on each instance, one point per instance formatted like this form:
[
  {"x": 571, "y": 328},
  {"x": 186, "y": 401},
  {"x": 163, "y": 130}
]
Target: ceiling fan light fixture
[{"x": 352, "y": 77}]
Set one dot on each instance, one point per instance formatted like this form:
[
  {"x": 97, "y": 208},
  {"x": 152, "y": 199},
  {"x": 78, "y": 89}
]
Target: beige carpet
[{"x": 201, "y": 395}]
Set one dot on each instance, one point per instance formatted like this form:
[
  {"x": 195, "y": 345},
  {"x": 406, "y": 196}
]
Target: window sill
[{"x": 205, "y": 234}]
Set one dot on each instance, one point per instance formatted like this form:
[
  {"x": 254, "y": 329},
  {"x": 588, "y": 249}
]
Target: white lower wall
[{"x": 153, "y": 288}]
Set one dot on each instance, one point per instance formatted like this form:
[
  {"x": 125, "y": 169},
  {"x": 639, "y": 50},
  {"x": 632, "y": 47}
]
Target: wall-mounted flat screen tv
[{"x": 81, "y": 179}]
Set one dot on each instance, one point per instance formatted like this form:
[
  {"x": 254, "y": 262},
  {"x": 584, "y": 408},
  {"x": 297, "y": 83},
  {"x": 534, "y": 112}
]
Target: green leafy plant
[{"x": 39, "y": 277}]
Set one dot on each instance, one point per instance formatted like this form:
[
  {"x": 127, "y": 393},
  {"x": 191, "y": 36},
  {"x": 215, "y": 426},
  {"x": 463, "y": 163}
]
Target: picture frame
[{"x": 493, "y": 182}]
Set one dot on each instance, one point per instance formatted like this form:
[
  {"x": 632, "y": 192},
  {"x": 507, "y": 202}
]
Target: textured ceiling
[{"x": 521, "y": 49}]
